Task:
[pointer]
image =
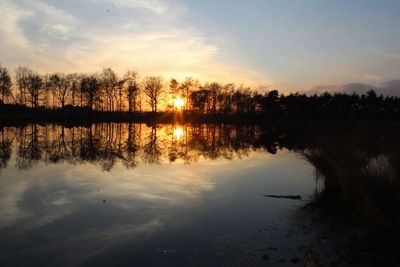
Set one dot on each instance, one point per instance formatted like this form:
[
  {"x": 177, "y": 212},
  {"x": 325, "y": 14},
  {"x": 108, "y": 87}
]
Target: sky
[{"x": 290, "y": 45}]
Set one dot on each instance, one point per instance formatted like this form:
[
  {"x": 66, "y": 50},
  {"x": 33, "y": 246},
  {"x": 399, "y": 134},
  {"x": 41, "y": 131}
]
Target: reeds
[{"x": 360, "y": 172}]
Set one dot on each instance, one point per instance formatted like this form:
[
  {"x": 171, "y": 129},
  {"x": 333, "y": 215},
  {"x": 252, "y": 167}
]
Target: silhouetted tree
[
  {"x": 153, "y": 89},
  {"x": 132, "y": 89},
  {"x": 34, "y": 88},
  {"x": 5, "y": 84},
  {"x": 270, "y": 103},
  {"x": 109, "y": 82},
  {"x": 61, "y": 87},
  {"x": 47, "y": 92},
  {"x": 214, "y": 89},
  {"x": 90, "y": 87},
  {"x": 238, "y": 101},
  {"x": 199, "y": 99},
  {"x": 174, "y": 91},
  {"x": 186, "y": 88},
  {"x": 74, "y": 80},
  {"x": 225, "y": 98},
  {"x": 22, "y": 75},
  {"x": 174, "y": 87},
  {"x": 109, "y": 93}
]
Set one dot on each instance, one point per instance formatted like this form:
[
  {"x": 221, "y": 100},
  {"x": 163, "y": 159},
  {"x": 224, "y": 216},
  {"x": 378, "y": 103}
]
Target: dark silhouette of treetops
[{"x": 107, "y": 92}]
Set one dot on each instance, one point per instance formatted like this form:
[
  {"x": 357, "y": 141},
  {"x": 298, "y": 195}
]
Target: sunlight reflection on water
[
  {"x": 72, "y": 191},
  {"x": 178, "y": 133}
]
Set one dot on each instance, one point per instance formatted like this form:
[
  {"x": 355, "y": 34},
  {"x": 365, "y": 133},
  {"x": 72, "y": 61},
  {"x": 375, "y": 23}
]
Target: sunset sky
[{"x": 286, "y": 44}]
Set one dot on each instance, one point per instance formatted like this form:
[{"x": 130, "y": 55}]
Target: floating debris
[{"x": 295, "y": 197}]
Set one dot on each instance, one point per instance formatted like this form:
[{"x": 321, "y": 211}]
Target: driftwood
[{"x": 296, "y": 197}]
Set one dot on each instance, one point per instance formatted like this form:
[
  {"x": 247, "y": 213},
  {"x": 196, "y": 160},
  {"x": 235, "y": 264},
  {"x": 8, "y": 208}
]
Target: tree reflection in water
[
  {"x": 5, "y": 149},
  {"x": 129, "y": 144},
  {"x": 107, "y": 144},
  {"x": 358, "y": 167}
]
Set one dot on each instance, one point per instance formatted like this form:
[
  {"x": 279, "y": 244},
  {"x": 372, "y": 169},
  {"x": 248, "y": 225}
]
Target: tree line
[{"x": 108, "y": 92}]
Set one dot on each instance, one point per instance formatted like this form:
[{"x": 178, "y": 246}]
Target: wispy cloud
[
  {"x": 388, "y": 55},
  {"x": 148, "y": 39},
  {"x": 155, "y": 6}
]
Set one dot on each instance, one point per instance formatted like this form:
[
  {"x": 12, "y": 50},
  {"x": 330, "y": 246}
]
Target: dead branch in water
[{"x": 295, "y": 197}]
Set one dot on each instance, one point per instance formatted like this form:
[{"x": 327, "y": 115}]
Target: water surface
[{"x": 136, "y": 194}]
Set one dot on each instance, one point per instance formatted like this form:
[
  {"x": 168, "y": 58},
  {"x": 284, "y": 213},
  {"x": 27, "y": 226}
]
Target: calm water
[{"x": 135, "y": 194}]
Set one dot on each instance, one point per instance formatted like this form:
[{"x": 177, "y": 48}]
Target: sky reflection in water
[{"x": 176, "y": 198}]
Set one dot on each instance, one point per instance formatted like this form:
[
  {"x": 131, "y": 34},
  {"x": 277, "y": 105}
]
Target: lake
[{"x": 154, "y": 195}]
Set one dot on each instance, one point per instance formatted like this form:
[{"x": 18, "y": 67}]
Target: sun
[{"x": 179, "y": 102}]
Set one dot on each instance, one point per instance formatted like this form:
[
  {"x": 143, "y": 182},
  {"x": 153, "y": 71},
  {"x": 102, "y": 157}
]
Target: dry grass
[{"x": 360, "y": 172}]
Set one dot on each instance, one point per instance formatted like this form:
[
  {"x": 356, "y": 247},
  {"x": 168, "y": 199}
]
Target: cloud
[
  {"x": 390, "y": 88},
  {"x": 57, "y": 30},
  {"x": 11, "y": 33},
  {"x": 36, "y": 196},
  {"x": 150, "y": 52},
  {"x": 45, "y": 21},
  {"x": 388, "y": 55},
  {"x": 155, "y": 6},
  {"x": 48, "y": 38}
]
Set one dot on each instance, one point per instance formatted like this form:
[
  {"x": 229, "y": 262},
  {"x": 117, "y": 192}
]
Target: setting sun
[
  {"x": 143, "y": 132},
  {"x": 179, "y": 102}
]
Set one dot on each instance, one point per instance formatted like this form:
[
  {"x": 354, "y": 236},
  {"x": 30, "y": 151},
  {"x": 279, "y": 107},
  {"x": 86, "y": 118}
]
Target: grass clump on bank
[
  {"x": 358, "y": 186},
  {"x": 358, "y": 172}
]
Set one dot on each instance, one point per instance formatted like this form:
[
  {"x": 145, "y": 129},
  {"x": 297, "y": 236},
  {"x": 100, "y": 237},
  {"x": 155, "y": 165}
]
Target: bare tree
[
  {"x": 132, "y": 89},
  {"x": 174, "y": 87},
  {"x": 153, "y": 89},
  {"x": 120, "y": 91},
  {"x": 47, "y": 91},
  {"x": 225, "y": 98},
  {"x": 35, "y": 87},
  {"x": 174, "y": 93},
  {"x": 90, "y": 88},
  {"x": 21, "y": 78},
  {"x": 214, "y": 89},
  {"x": 199, "y": 99},
  {"x": 186, "y": 88},
  {"x": 74, "y": 80},
  {"x": 109, "y": 81},
  {"x": 5, "y": 84},
  {"x": 61, "y": 87}
]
